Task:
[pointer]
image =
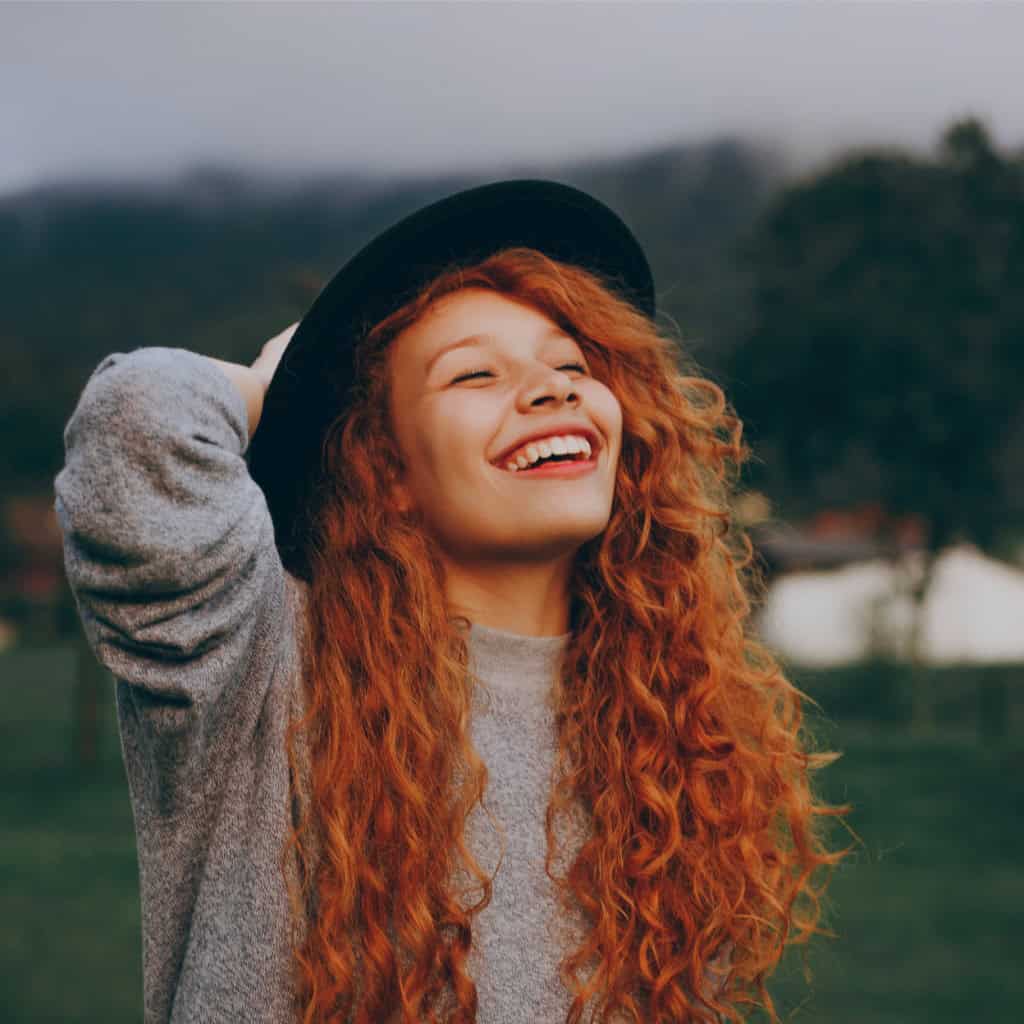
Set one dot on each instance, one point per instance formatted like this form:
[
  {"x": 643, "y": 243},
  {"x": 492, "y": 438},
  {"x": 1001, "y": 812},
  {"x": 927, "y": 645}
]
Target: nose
[{"x": 549, "y": 385}]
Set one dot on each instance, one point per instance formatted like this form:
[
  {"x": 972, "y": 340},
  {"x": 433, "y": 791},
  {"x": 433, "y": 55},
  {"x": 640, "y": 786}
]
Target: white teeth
[{"x": 563, "y": 445}]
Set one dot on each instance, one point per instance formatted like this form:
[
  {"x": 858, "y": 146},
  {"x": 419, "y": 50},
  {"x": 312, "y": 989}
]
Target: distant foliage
[
  {"x": 886, "y": 354},
  {"x": 221, "y": 261}
]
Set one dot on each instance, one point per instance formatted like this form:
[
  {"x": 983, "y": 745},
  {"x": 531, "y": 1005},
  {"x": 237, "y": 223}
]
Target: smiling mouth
[
  {"x": 567, "y": 467},
  {"x": 592, "y": 437}
]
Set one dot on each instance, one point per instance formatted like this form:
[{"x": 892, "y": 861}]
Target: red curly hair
[{"x": 677, "y": 730}]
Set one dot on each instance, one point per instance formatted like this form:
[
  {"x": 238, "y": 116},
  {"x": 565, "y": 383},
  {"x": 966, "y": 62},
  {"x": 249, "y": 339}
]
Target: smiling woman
[
  {"x": 676, "y": 756},
  {"x": 331, "y": 660}
]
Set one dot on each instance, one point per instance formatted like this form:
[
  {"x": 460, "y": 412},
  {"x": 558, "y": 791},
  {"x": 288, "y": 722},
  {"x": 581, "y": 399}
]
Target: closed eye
[{"x": 479, "y": 373}]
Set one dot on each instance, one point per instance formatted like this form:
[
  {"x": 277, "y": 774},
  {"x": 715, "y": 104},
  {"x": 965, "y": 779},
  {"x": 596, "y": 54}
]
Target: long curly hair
[{"x": 677, "y": 730}]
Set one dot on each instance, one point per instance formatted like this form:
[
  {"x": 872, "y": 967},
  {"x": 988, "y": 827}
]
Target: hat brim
[{"x": 314, "y": 373}]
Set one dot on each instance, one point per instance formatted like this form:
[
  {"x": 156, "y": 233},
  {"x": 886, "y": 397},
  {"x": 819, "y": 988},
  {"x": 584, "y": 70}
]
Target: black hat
[{"x": 312, "y": 380}]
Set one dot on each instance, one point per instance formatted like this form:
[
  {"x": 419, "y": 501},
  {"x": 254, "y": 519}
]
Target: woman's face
[{"x": 452, "y": 428}]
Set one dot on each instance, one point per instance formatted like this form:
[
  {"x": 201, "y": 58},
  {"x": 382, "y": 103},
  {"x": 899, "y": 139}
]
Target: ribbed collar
[{"x": 525, "y": 665}]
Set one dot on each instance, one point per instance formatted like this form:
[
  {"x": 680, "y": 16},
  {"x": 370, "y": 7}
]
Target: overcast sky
[{"x": 139, "y": 89}]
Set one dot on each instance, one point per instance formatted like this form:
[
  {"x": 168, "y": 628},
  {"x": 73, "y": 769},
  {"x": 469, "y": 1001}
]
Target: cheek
[
  {"x": 607, "y": 410},
  {"x": 434, "y": 462}
]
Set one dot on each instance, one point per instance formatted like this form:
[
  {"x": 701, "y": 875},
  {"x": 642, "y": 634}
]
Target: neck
[{"x": 531, "y": 600}]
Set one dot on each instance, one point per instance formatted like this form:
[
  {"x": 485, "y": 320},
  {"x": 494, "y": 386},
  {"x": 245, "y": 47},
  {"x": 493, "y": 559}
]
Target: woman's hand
[
  {"x": 270, "y": 355},
  {"x": 252, "y": 381}
]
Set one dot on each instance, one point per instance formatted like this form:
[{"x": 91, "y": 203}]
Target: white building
[{"x": 973, "y": 612}]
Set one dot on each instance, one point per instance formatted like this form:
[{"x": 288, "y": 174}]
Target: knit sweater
[{"x": 169, "y": 550}]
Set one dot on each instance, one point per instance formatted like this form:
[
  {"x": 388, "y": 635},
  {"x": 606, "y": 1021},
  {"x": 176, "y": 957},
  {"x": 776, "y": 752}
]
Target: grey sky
[{"x": 131, "y": 89}]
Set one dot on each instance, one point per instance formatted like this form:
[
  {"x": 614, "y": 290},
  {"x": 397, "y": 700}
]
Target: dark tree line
[
  {"x": 885, "y": 360},
  {"x": 886, "y": 354}
]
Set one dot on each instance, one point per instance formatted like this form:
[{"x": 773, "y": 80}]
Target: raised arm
[{"x": 169, "y": 550}]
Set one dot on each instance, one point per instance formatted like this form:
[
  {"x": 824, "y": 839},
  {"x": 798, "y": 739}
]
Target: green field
[{"x": 926, "y": 913}]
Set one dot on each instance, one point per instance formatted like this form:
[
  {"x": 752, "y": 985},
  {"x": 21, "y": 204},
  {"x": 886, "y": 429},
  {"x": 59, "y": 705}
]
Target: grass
[
  {"x": 926, "y": 912},
  {"x": 70, "y": 936}
]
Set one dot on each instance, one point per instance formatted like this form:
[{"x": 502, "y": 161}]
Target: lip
[
  {"x": 555, "y": 429},
  {"x": 555, "y": 469}
]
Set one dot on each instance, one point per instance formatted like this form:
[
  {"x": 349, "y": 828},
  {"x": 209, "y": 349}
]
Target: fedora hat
[{"x": 313, "y": 379}]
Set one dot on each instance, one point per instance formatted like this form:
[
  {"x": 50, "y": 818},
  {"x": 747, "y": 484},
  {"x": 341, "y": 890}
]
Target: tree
[{"x": 887, "y": 347}]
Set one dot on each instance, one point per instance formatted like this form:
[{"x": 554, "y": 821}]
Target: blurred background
[{"x": 832, "y": 198}]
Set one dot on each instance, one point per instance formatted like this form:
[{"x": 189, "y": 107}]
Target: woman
[{"x": 416, "y": 729}]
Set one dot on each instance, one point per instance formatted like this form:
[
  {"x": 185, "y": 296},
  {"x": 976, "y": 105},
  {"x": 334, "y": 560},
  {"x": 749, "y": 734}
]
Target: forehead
[{"x": 467, "y": 312}]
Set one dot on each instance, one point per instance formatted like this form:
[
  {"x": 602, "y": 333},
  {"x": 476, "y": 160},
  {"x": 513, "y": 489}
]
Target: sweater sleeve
[{"x": 169, "y": 550}]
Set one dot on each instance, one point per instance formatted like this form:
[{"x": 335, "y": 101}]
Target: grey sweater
[{"x": 169, "y": 549}]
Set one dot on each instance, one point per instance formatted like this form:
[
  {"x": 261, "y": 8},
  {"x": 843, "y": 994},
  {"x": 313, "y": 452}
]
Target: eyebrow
[{"x": 477, "y": 339}]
